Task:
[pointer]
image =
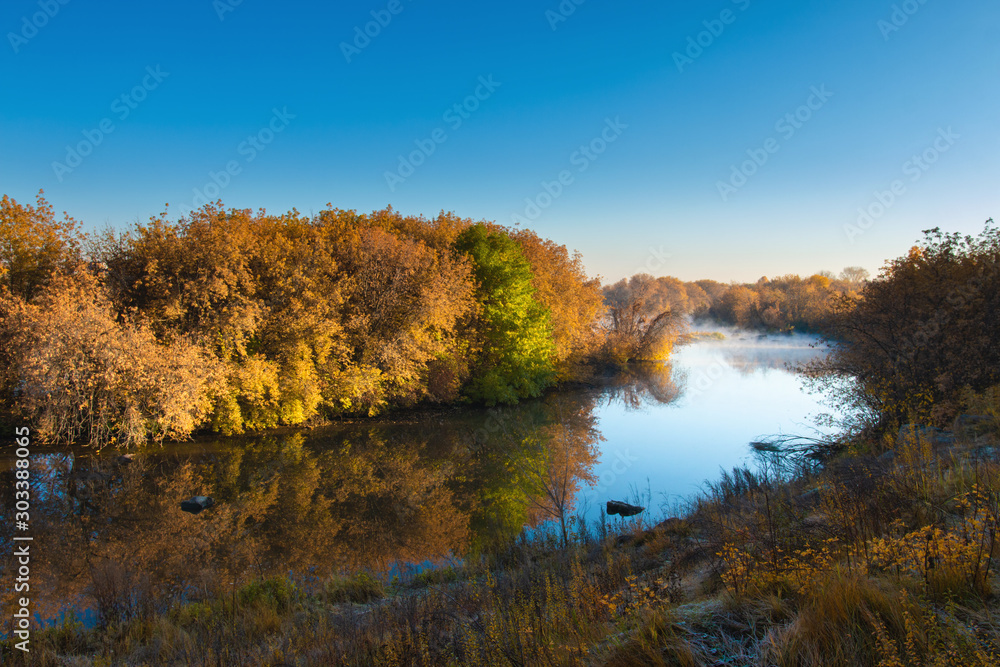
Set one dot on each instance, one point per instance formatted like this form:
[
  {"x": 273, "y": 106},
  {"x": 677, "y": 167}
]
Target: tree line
[
  {"x": 786, "y": 303},
  {"x": 236, "y": 320}
]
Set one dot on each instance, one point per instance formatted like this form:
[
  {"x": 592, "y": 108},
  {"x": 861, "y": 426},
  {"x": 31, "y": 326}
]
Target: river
[{"x": 396, "y": 494}]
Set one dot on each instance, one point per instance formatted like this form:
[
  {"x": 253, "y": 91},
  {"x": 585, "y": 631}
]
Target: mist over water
[{"x": 731, "y": 392}]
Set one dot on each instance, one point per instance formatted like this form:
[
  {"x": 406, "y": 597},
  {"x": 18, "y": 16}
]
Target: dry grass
[{"x": 868, "y": 562}]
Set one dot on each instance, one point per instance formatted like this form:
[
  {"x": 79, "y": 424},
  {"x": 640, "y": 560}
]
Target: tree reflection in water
[
  {"x": 353, "y": 496},
  {"x": 642, "y": 384}
]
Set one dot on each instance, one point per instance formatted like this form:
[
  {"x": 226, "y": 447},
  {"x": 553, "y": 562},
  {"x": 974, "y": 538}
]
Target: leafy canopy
[{"x": 513, "y": 331}]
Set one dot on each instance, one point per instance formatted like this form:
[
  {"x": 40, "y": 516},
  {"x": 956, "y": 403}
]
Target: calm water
[
  {"x": 731, "y": 393},
  {"x": 390, "y": 494}
]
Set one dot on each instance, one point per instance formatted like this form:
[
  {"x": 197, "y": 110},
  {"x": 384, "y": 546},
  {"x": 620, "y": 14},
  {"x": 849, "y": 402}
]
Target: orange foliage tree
[{"x": 922, "y": 332}]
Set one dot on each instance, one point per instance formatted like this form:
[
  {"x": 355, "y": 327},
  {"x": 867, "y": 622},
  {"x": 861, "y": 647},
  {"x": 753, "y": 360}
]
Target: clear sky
[{"x": 642, "y": 109}]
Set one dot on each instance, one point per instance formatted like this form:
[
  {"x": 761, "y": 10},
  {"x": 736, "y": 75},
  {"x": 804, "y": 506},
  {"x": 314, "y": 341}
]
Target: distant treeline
[
  {"x": 237, "y": 320},
  {"x": 785, "y": 303}
]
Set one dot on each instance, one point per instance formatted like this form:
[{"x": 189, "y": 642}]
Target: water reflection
[
  {"x": 645, "y": 384},
  {"x": 342, "y": 498},
  {"x": 373, "y": 495},
  {"x": 730, "y": 393}
]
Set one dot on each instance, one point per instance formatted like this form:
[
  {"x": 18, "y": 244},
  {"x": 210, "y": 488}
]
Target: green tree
[{"x": 512, "y": 332}]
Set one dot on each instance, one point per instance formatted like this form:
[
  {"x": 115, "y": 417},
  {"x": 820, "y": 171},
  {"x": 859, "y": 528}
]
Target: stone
[
  {"x": 623, "y": 509},
  {"x": 196, "y": 504},
  {"x": 935, "y": 436}
]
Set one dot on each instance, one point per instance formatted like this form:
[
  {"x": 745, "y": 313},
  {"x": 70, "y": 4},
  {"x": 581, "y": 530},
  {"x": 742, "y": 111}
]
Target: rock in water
[
  {"x": 197, "y": 504},
  {"x": 624, "y": 509}
]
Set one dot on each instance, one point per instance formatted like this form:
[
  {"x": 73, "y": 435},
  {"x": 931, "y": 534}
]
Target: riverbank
[{"x": 884, "y": 556}]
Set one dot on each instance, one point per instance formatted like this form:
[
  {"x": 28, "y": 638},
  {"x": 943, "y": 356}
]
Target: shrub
[
  {"x": 86, "y": 376},
  {"x": 359, "y": 588},
  {"x": 276, "y": 593}
]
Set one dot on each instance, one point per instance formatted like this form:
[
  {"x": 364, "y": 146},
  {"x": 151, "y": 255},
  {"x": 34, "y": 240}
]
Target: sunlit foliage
[
  {"x": 642, "y": 323},
  {"x": 86, "y": 376},
  {"x": 574, "y": 301},
  {"x": 512, "y": 347},
  {"x": 922, "y": 332},
  {"x": 298, "y": 318},
  {"x": 33, "y": 245}
]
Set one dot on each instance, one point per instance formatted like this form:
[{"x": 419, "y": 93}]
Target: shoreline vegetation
[
  {"x": 875, "y": 547},
  {"x": 233, "y": 321},
  {"x": 882, "y": 555}
]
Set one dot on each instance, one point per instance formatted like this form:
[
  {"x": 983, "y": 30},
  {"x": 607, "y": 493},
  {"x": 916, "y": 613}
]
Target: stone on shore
[
  {"x": 196, "y": 504},
  {"x": 935, "y": 436}
]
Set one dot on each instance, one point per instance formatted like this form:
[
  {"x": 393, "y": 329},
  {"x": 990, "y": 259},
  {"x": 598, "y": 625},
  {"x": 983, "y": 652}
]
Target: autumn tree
[
  {"x": 738, "y": 305},
  {"x": 635, "y": 330},
  {"x": 34, "y": 245},
  {"x": 574, "y": 301},
  {"x": 86, "y": 376},
  {"x": 920, "y": 333},
  {"x": 303, "y": 318},
  {"x": 784, "y": 303},
  {"x": 205, "y": 276},
  {"x": 405, "y": 294},
  {"x": 699, "y": 302},
  {"x": 855, "y": 275}
]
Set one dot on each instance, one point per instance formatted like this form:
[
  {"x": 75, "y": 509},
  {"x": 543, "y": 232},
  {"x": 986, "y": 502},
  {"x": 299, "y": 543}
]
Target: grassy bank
[{"x": 884, "y": 556}]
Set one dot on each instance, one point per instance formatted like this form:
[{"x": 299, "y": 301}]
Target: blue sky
[{"x": 643, "y": 124}]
